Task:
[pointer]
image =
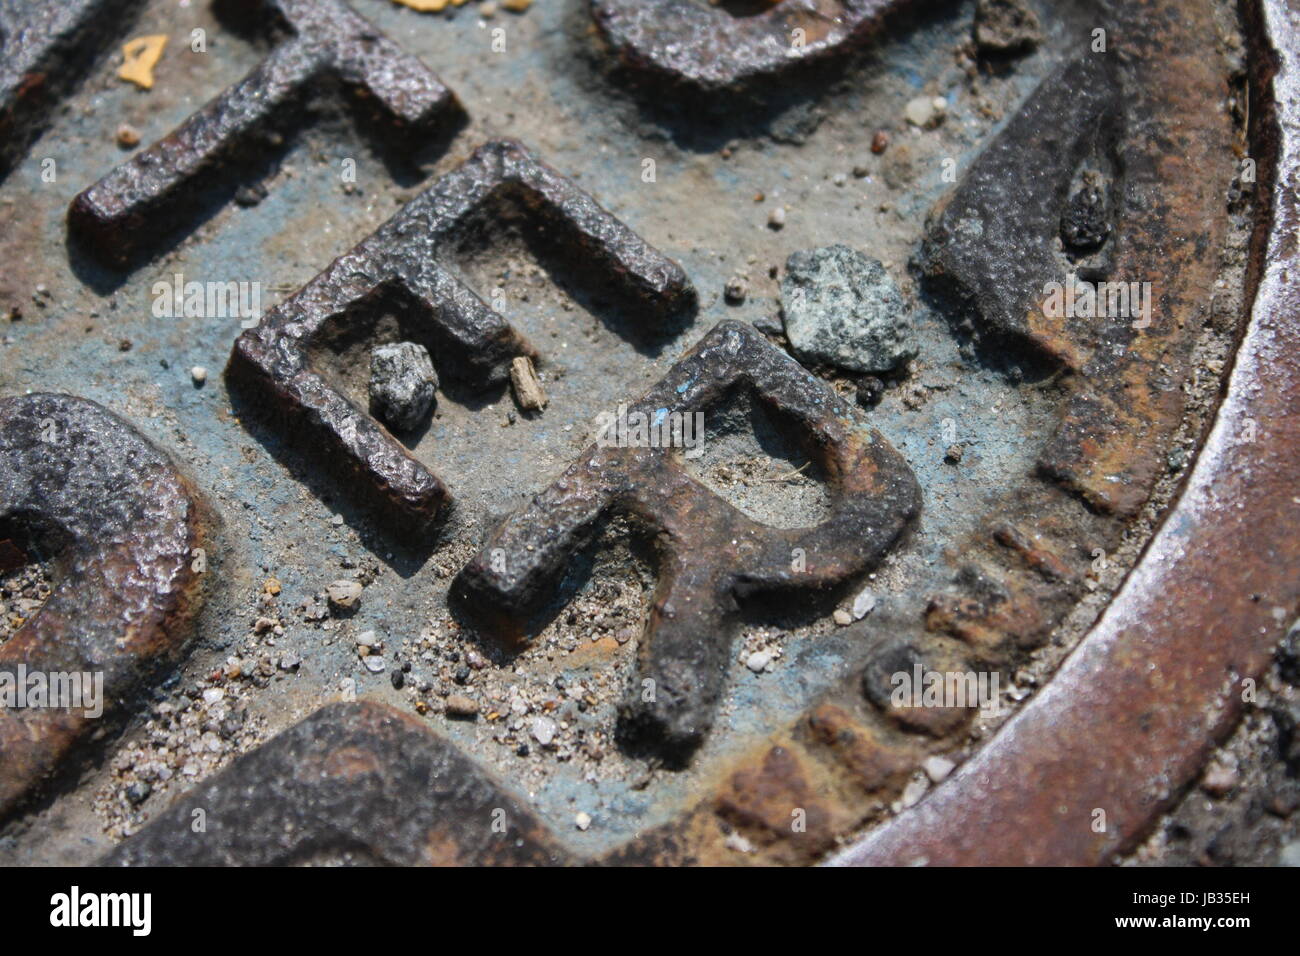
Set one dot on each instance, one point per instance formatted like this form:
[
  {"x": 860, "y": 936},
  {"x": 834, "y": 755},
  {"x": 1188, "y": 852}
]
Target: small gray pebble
[
  {"x": 403, "y": 384},
  {"x": 842, "y": 308}
]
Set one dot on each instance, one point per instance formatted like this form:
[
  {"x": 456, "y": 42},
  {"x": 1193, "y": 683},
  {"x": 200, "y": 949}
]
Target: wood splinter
[{"x": 528, "y": 387}]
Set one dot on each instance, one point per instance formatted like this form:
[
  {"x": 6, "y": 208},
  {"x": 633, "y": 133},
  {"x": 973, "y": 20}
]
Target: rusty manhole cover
[{"x": 660, "y": 432}]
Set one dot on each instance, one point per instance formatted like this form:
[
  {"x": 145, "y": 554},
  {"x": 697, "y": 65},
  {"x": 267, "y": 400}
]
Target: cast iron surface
[
  {"x": 43, "y": 49},
  {"x": 710, "y": 554},
  {"x": 354, "y": 783},
  {"x": 475, "y": 343},
  {"x": 710, "y": 47},
  {"x": 127, "y": 531},
  {"x": 1031, "y": 445},
  {"x": 129, "y": 209}
]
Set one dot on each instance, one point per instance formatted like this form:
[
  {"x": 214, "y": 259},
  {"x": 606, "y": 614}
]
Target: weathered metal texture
[
  {"x": 1016, "y": 575},
  {"x": 1163, "y": 164},
  {"x": 44, "y": 49},
  {"x": 1132, "y": 714},
  {"x": 1115, "y": 430},
  {"x": 126, "y": 212},
  {"x": 712, "y": 48},
  {"x": 1160, "y": 175},
  {"x": 126, "y": 526},
  {"x": 995, "y": 239},
  {"x": 364, "y": 783},
  {"x": 360, "y": 780},
  {"x": 830, "y": 768},
  {"x": 468, "y": 340},
  {"x": 709, "y": 553}
]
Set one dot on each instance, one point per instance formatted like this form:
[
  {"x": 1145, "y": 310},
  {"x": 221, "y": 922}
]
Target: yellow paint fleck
[
  {"x": 142, "y": 55},
  {"x": 430, "y": 6}
]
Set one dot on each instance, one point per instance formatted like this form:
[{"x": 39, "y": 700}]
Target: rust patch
[
  {"x": 872, "y": 764},
  {"x": 129, "y": 531},
  {"x": 775, "y": 801},
  {"x": 350, "y": 763}
]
